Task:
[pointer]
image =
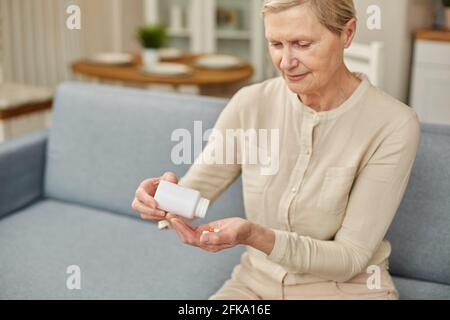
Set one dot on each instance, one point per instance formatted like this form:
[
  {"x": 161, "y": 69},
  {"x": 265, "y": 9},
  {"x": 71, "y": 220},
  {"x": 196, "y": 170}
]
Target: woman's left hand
[{"x": 232, "y": 232}]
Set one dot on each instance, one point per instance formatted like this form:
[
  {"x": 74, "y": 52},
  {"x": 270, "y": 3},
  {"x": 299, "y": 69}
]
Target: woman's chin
[{"x": 298, "y": 88}]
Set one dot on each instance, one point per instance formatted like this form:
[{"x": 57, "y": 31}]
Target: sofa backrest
[
  {"x": 105, "y": 140},
  {"x": 420, "y": 233}
]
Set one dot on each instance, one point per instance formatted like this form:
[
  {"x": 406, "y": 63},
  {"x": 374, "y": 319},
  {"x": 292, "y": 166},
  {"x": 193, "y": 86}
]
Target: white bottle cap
[{"x": 202, "y": 206}]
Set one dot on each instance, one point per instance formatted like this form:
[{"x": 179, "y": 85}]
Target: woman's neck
[{"x": 342, "y": 85}]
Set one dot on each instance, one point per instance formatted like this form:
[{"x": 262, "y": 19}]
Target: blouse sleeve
[
  {"x": 373, "y": 202},
  {"x": 217, "y": 165}
]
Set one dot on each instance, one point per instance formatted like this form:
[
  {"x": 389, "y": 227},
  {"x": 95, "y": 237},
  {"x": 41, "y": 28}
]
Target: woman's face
[{"x": 306, "y": 52}]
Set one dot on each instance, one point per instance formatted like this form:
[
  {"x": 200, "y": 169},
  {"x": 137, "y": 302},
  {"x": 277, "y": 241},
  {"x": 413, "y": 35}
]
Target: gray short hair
[{"x": 333, "y": 14}]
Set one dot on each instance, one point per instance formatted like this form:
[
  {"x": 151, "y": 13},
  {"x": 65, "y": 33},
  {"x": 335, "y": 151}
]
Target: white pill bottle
[{"x": 181, "y": 201}]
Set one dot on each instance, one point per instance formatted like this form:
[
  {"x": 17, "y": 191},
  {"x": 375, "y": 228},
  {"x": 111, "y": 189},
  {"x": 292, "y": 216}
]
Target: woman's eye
[
  {"x": 276, "y": 45},
  {"x": 303, "y": 45}
]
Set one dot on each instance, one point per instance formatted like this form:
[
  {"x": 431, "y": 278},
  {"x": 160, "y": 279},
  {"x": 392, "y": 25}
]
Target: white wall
[
  {"x": 37, "y": 47},
  {"x": 400, "y": 18},
  {"x": 33, "y": 22}
]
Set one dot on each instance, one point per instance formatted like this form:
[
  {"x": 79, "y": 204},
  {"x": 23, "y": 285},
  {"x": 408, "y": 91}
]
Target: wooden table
[
  {"x": 221, "y": 83},
  {"x": 23, "y": 109}
]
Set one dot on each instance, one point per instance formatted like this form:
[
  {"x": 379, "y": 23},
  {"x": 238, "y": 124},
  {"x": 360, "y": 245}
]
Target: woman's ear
[{"x": 349, "y": 32}]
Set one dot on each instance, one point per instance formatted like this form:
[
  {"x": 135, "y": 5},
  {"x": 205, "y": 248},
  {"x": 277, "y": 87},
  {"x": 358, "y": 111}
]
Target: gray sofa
[{"x": 65, "y": 200}]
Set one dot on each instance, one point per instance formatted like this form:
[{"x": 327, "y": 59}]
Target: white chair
[{"x": 367, "y": 59}]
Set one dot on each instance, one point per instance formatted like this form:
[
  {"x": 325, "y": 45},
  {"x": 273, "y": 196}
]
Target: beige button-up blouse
[{"x": 341, "y": 177}]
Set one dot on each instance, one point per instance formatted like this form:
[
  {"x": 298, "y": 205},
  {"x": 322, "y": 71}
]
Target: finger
[
  {"x": 179, "y": 233},
  {"x": 214, "y": 249},
  {"x": 147, "y": 211},
  {"x": 203, "y": 227},
  {"x": 150, "y": 185},
  {"x": 182, "y": 226},
  {"x": 189, "y": 236},
  {"x": 170, "y": 216},
  {"x": 215, "y": 238},
  {"x": 169, "y": 176},
  {"x": 205, "y": 239},
  {"x": 181, "y": 220},
  {"x": 145, "y": 198},
  {"x": 216, "y": 224},
  {"x": 150, "y": 218}
]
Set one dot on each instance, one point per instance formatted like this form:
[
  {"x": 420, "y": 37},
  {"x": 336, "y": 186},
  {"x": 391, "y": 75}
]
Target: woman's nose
[{"x": 288, "y": 61}]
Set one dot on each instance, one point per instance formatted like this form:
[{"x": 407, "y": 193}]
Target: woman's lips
[{"x": 297, "y": 77}]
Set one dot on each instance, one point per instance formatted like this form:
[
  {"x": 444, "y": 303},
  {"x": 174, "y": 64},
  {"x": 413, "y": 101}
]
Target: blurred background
[{"x": 205, "y": 47}]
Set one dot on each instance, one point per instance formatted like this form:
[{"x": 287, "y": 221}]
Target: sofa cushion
[
  {"x": 420, "y": 233},
  {"x": 119, "y": 257},
  {"x": 105, "y": 140},
  {"x": 22, "y": 162},
  {"x": 411, "y": 289}
]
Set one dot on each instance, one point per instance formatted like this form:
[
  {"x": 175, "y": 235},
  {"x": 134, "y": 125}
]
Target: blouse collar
[{"x": 347, "y": 105}]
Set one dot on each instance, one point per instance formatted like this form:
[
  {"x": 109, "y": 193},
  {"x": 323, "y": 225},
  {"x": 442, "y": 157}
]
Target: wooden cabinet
[{"x": 430, "y": 89}]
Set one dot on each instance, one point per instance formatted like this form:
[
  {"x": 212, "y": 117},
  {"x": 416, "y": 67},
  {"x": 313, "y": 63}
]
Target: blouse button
[{"x": 294, "y": 190}]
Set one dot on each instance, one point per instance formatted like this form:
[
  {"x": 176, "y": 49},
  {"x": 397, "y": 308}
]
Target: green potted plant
[
  {"x": 151, "y": 37},
  {"x": 446, "y": 4}
]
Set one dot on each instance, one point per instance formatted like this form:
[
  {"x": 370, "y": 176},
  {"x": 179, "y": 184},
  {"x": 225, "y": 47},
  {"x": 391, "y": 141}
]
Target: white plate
[
  {"x": 218, "y": 61},
  {"x": 170, "y": 53},
  {"x": 168, "y": 69},
  {"x": 112, "y": 58}
]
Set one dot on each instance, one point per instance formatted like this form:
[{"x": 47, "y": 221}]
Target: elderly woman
[{"x": 315, "y": 229}]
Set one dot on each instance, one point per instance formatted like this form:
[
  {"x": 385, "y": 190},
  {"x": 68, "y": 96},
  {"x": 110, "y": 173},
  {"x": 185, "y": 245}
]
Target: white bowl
[
  {"x": 168, "y": 69},
  {"x": 111, "y": 58},
  {"x": 218, "y": 61}
]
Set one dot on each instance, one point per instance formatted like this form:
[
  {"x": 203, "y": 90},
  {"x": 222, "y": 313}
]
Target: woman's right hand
[{"x": 144, "y": 202}]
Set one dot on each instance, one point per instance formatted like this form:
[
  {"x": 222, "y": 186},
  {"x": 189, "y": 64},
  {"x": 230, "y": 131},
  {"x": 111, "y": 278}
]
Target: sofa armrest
[{"x": 22, "y": 163}]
